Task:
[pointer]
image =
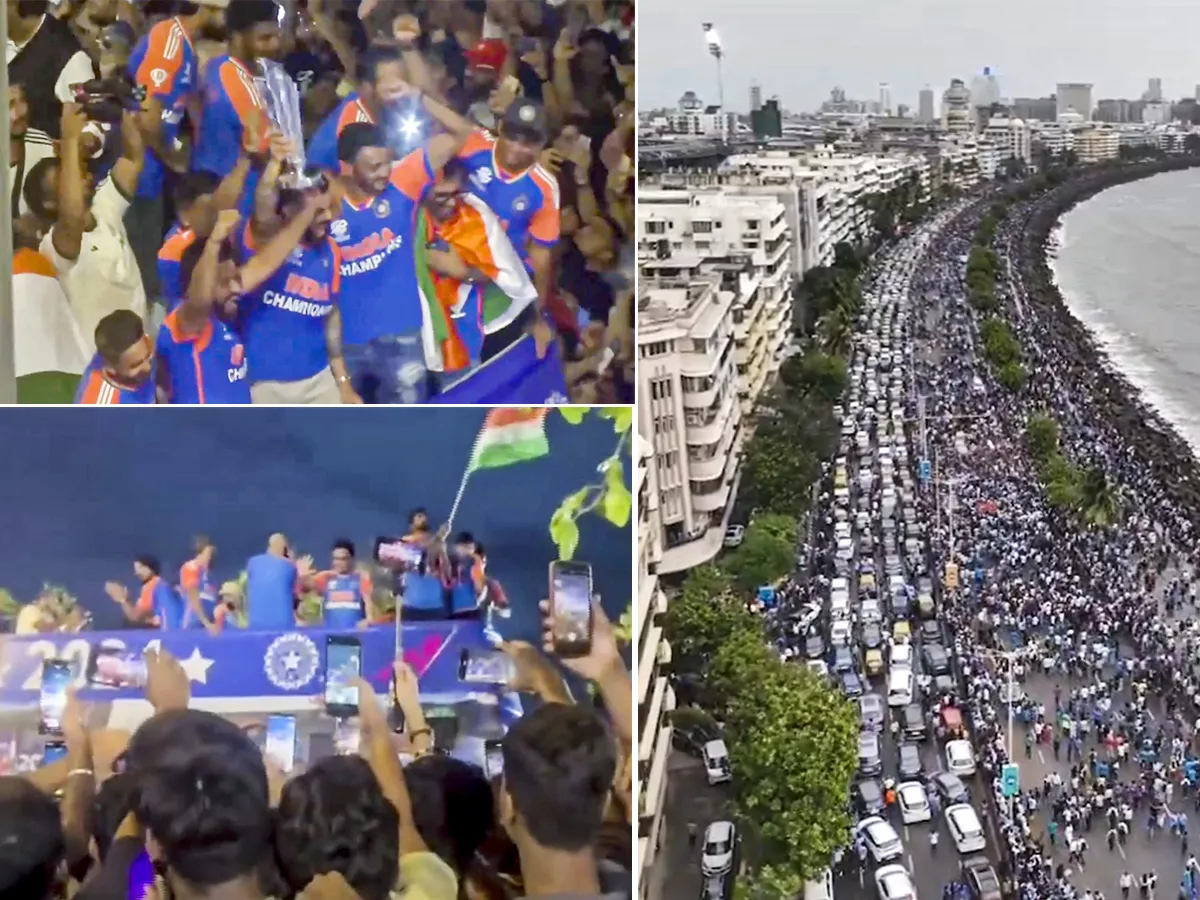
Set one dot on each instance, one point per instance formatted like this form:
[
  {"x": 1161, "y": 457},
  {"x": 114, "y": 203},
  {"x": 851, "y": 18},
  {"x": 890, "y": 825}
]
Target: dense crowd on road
[{"x": 322, "y": 201}]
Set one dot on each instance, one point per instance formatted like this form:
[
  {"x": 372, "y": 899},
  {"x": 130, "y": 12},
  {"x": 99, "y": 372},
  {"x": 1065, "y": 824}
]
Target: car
[
  {"x": 870, "y": 762},
  {"x": 715, "y": 888},
  {"x": 931, "y": 631},
  {"x": 914, "y": 805},
  {"x": 843, "y": 660},
  {"x": 820, "y": 888},
  {"x": 872, "y": 636},
  {"x": 815, "y": 647},
  {"x": 873, "y": 662},
  {"x": 716, "y": 762},
  {"x": 950, "y": 787},
  {"x": 881, "y": 839},
  {"x": 894, "y": 883},
  {"x": 965, "y": 828},
  {"x": 869, "y": 611},
  {"x": 937, "y": 660},
  {"x": 960, "y": 757},
  {"x": 818, "y": 668},
  {"x": 1011, "y": 692},
  {"x": 981, "y": 878},
  {"x": 942, "y": 685},
  {"x": 868, "y": 797},
  {"x": 913, "y": 723},
  {"x": 720, "y": 839},
  {"x": 852, "y": 685},
  {"x": 870, "y": 712},
  {"x": 734, "y": 535},
  {"x": 909, "y": 766},
  {"x": 840, "y": 633}
]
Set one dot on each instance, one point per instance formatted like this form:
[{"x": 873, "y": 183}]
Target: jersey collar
[{"x": 500, "y": 170}]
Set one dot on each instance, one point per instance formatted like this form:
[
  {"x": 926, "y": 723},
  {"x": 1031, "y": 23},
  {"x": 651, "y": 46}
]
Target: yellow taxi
[
  {"x": 901, "y": 632},
  {"x": 873, "y": 662}
]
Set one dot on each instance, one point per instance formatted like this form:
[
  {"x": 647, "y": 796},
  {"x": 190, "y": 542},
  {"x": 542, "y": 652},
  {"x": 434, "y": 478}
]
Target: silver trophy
[{"x": 283, "y": 107}]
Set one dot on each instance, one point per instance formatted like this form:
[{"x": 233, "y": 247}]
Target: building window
[
  {"x": 660, "y": 389},
  {"x": 657, "y": 348},
  {"x": 699, "y": 346},
  {"x": 702, "y": 227},
  {"x": 653, "y": 227}
]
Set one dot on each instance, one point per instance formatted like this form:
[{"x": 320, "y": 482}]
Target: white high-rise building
[
  {"x": 1154, "y": 92},
  {"x": 925, "y": 112},
  {"x": 985, "y": 89},
  {"x": 885, "y": 98},
  {"x": 1075, "y": 96},
  {"x": 1011, "y": 138},
  {"x": 957, "y": 115},
  {"x": 755, "y": 97},
  {"x": 656, "y": 699}
]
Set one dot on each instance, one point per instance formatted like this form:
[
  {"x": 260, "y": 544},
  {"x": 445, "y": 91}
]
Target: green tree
[
  {"x": 783, "y": 527},
  {"x": 1098, "y": 502},
  {"x": 776, "y": 472},
  {"x": 763, "y": 557},
  {"x": 1042, "y": 436},
  {"x": 837, "y": 331},
  {"x": 703, "y": 617},
  {"x": 1061, "y": 481},
  {"x": 820, "y": 374},
  {"x": 794, "y": 749},
  {"x": 1012, "y": 377},
  {"x": 769, "y": 883}
]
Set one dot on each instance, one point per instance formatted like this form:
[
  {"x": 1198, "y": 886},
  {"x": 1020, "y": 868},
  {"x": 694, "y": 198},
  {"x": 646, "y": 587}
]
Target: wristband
[
  {"x": 88, "y": 772},
  {"x": 420, "y": 731}
]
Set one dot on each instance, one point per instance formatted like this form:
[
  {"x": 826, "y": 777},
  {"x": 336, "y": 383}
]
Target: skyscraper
[
  {"x": 985, "y": 89},
  {"x": 1154, "y": 92},
  {"x": 755, "y": 97},
  {"x": 925, "y": 105},
  {"x": 1076, "y": 96},
  {"x": 885, "y": 98}
]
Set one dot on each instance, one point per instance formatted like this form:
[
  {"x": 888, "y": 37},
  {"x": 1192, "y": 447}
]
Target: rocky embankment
[{"x": 1156, "y": 443}]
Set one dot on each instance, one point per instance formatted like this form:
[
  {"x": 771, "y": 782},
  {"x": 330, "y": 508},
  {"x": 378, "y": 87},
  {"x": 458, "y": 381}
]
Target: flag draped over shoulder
[
  {"x": 510, "y": 435},
  {"x": 51, "y": 352},
  {"x": 478, "y": 236}
]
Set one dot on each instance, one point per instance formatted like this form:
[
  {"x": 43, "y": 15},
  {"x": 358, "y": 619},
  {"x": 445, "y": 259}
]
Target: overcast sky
[{"x": 800, "y": 50}]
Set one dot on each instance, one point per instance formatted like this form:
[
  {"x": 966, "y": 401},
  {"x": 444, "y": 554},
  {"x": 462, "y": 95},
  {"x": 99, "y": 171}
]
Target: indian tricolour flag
[
  {"x": 51, "y": 352},
  {"x": 511, "y": 434},
  {"x": 458, "y": 315}
]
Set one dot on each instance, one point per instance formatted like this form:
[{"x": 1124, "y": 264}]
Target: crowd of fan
[
  {"x": 190, "y": 801},
  {"x": 170, "y": 248},
  {"x": 1095, "y": 609}
]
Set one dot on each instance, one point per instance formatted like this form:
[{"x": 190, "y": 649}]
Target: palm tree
[
  {"x": 837, "y": 331},
  {"x": 1098, "y": 502}
]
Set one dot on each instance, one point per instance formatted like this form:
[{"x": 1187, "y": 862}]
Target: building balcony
[
  {"x": 702, "y": 435},
  {"x": 648, "y": 668}
]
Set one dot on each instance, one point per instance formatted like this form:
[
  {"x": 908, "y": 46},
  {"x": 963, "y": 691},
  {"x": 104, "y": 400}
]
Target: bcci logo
[
  {"x": 291, "y": 661},
  {"x": 383, "y": 209},
  {"x": 521, "y": 204},
  {"x": 340, "y": 230}
]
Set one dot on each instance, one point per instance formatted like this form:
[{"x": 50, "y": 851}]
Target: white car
[
  {"x": 881, "y": 838},
  {"x": 894, "y": 883},
  {"x": 734, "y": 535},
  {"x": 960, "y": 757},
  {"x": 840, "y": 633},
  {"x": 914, "y": 805},
  {"x": 965, "y": 828},
  {"x": 717, "y": 856},
  {"x": 716, "y": 762}
]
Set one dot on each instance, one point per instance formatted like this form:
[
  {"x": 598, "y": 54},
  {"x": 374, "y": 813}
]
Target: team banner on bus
[
  {"x": 108, "y": 665},
  {"x": 516, "y": 376}
]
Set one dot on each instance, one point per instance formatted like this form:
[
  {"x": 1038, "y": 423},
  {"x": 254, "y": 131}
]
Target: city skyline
[{"x": 800, "y": 55}]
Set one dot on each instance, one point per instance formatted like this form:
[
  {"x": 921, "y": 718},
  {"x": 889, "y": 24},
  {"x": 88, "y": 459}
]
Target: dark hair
[
  {"x": 453, "y": 807},
  {"x": 245, "y": 14},
  {"x": 37, "y": 194},
  {"x": 191, "y": 187},
  {"x": 116, "y": 333},
  {"x": 190, "y": 258},
  {"x": 32, "y": 844},
  {"x": 455, "y": 170},
  {"x": 335, "y": 818},
  {"x": 150, "y": 562},
  {"x": 201, "y": 791},
  {"x": 344, "y": 544},
  {"x": 559, "y": 763},
  {"x": 464, "y": 537},
  {"x": 356, "y": 137},
  {"x": 113, "y": 802},
  {"x": 418, "y": 511},
  {"x": 367, "y": 70},
  {"x": 27, "y": 9}
]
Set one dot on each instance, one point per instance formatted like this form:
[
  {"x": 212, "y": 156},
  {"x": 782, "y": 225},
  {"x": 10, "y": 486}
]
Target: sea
[
  {"x": 84, "y": 491},
  {"x": 1128, "y": 267}
]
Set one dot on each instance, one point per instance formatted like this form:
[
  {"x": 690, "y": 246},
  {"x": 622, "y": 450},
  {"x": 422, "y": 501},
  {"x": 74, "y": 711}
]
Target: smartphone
[
  {"x": 343, "y": 663},
  {"x": 493, "y": 759},
  {"x": 394, "y": 552},
  {"x": 56, "y": 678},
  {"x": 141, "y": 876},
  {"x": 571, "y": 608},
  {"x": 485, "y": 667},
  {"x": 280, "y": 744},
  {"x": 55, "y": 750},
  {"x": 117, "y": 668},
  {"x": 346, "y": 737}
]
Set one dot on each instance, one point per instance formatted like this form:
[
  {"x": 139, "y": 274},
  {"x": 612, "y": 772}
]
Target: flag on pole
[
  {"x": 510, "y": 435},
  {"x": 51, "y": 350}
]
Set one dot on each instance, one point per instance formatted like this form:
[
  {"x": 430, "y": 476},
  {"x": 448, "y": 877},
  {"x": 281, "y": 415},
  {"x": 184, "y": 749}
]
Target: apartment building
[
  {"x": 1097, "y": 143},
  {"x": 656, "y": 699},
  {"x": 1011, "y": 138}
]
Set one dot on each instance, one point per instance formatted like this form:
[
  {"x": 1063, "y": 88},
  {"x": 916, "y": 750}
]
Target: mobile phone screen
[
  {"x": 487, "y": 667},
  {"x": 56, "y": 678},
  {"x": 346, "y": 737},
  {"x": 141, "y": 876},
  {"x": 493, "y": 759},
  {"x": 117, "y": 669},
  {"x": 280, "y": 744},
  {"x": 53, "y": 753},
  {"x": 343, "y": 663},
  {"x": 571, "y": 593}
]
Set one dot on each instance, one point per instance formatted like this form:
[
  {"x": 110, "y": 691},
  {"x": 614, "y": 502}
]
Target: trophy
[{"x": 283, "y": 108}]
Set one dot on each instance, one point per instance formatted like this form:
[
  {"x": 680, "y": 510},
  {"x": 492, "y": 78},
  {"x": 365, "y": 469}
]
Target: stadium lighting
[{"x": 715, "y": 50}]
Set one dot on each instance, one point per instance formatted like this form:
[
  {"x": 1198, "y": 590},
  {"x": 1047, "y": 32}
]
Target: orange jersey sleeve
[
  {"x": 247, "y": 102},
  {"x": 545, "y": 225},
  {"x": 145, "y": 601},
  {"x": 320, "y": 581},
  {"x": 189, "y": 575},
  {"x": 335, "y": 283},
  {"x": 476, "y": 141},
  {"x": 163, "y": 59},
  {"x": 412, "y": 175},
  {"x": 99, "y": 392}
]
